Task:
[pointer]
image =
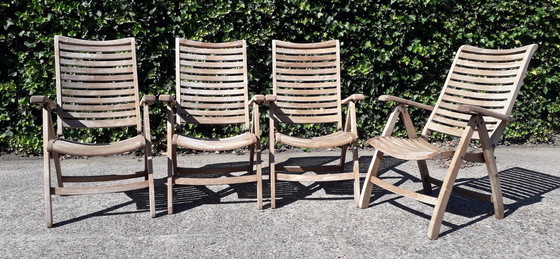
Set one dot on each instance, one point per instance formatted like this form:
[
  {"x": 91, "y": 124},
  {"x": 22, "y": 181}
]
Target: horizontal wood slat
[
  {"x": 281, "y": 64},
  {"x": 97, "y": 115},
  {"x": 492, "y": 58},
  {"x": 323, "y": 91},
  {"x": 306, "y": 51},
  {"x": 306, "y": 105},
  {"x": 100, "y": 78},
  {"x": 310, "y": 78},
  {"x": 478, "y": 95},
  {"x": 193, "y": 105},
  {"x": 217, "y": 92},
  {"x": 502, "y": 65},
  {"x": 486, "y": 72},
  {"x": 86, "y": 48},
  {"x": 218, "y": 51},
  {"x": 483, "y": 80},
  {"x": 188, "y": 63},
  {"x": 305, "y": 58},
  {"x": 95, "y": 63},
  {"x": 306, "y": 71},
  {"x": 109, "y": 100},
  {"x": 205, "y": 85},
  {"x": 204, "y": 71},
  {"x": 96, "y": 70},
  {"x": 481, "y": 103},
  {"x": 96, "y": 93},
  {"x": 307, "y": 84},
  {"x": 220, "y": 58},
  {"x": 215, "y": 78},
  {"x": 99, "y": 123},
  {"x": 96, "y": 56},
  {"x": 114, "y": 107},
  {"x": 97, "y": 85},
  {"x": 307, "y": 119},
  {"x": 214, "y": 120},
  {"x": 477, "y": 87}
]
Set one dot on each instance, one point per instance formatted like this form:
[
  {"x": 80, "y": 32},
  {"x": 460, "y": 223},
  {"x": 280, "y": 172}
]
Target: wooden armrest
[
  {"x": 390, "y": 98},
  {"x": 258, "y": 98},
  {"x": 148, "y": 99},
  {"x": 486, "y": 112},
  {"x": 168, "y": 99},
  {"x": 354, "y": 98},
  {"x": 270, "y": 98},
  {"x": 43, "y": 100}
]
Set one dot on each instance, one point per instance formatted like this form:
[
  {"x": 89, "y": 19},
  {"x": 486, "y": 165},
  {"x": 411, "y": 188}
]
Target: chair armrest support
[
  {"x": 257, "y": 99},
  {"x": 148, "y": 99},
  {"x": 167, "y": 99},
  {"x": 43, "y": 100},
  {"x": 390, "y": 98},
  {"x": 270, "y": 98},
  {"x": 354, "y": 98},
  {"x": 485, "y": 112}
]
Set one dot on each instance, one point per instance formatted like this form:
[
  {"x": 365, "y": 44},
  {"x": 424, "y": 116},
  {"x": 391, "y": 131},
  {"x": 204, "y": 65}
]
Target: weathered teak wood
[
  {"x": 97, "y": 87},
  {"x": 211, "y": 88},
  {"x": 475, "y": 104},
  {"x": 306, "y": 90}
]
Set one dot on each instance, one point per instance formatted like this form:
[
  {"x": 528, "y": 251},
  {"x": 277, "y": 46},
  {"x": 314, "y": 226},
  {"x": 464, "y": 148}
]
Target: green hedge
[{"x": 402, "y": 48}]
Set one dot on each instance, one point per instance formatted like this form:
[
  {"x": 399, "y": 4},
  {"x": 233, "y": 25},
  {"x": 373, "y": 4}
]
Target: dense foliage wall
[{"x": 402, "y": 48}]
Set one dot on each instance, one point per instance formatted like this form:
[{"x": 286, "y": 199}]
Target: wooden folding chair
[
  {"x": 475, "y": 104},
  {"x": 211, "y": 88},
  {"x": 97, "y": 87},
  {"x": 306, "y": 90}
]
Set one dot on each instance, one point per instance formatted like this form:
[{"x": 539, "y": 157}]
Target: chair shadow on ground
[
  {"x": 289, "y": 192},
  {"x": 520, "y": 187}
]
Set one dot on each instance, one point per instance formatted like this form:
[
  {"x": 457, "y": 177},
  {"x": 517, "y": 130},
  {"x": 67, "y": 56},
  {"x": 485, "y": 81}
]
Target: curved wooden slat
[
  {"x": 215, "y": 58},
  {"x": 305, "y": 58},
  {"x": 96, "y": 93},
  {"x": 110, "y": 100},
  {"x": 309, "y": 51},
  {"x": 97, "y": 70},
  {"x": 112, "y": 123},
  {"x": 208, "y": 51},
  {"x": 97, "y": 115},
  {"x": 97, "y": 85},
  {"x": 93, "y": 108}
]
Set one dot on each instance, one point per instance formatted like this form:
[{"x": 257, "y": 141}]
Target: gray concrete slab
[{"x": 314, "y": 220}]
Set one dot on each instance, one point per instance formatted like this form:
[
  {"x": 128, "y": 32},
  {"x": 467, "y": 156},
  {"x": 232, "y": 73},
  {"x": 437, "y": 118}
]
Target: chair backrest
[
  {"x": 487, "y": 78},
  {"x": 306, "y": 82},
  {"x": 211, "y": 82},
  {"x": 96, "y": 83}
]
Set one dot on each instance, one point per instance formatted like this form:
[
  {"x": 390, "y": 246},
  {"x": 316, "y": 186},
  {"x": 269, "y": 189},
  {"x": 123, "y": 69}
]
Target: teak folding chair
[
  {"x": 306, "y": 90},
  {"x": 211, "y": 88},
  {"x": 475, "y": 104},
  {"x": 97, "y": 87}
]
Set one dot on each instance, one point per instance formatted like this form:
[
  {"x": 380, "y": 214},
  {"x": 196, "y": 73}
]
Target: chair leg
[
  {"x": 171, "y": 165},
  {"x": 356, "y": 170},
  {"x": 488, "y": 151},
  {"x": 443, "y": 198},
  {"x": 251, "y": 159},
  {"x": 343, "y": 157},
  {"x": 150, "y": 170},
  {"x": 449, "y": 181},
  {"x": 56, "y": 159},
  {"x": 47, "y": 186},
  {"x": 272, "y": 169},
  {"x": 259, "y": 175},
  {"x": 424, "y": 175},
  {"x": 368, "y": 185}
]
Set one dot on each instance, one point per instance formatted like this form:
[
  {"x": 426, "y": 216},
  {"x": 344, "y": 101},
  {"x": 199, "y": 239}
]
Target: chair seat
[
  {"x": 222, "y": 144},
  {"x": 70, "y": 147},
  {"x": 409, "y": 149},
  {"x": 332, "y": 140}
]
